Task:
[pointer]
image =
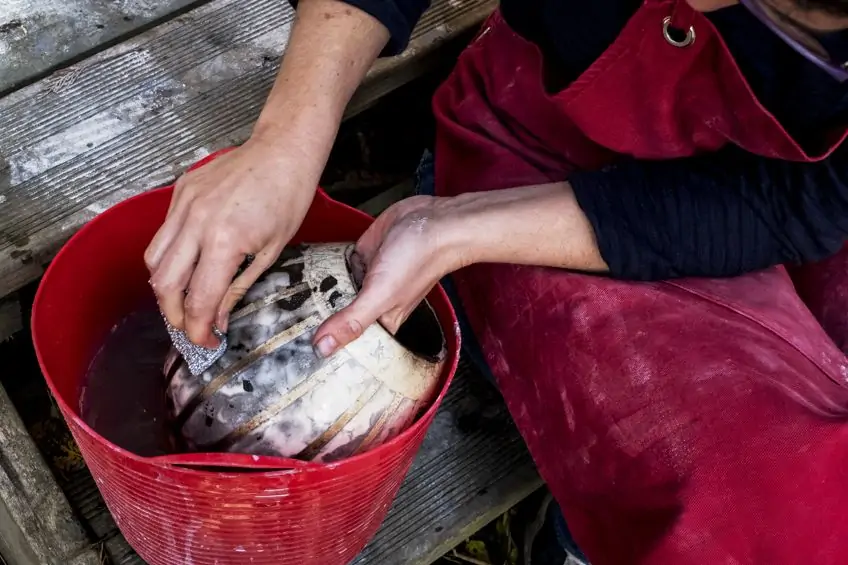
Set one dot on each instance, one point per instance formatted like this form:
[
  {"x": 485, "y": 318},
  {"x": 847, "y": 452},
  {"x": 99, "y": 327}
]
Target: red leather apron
[{"x": 687, "y": 422}]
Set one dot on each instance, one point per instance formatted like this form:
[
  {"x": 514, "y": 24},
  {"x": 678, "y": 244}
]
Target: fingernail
[
  {"x": 326, "y": 346},
  {"x": 209, "y": 342}
]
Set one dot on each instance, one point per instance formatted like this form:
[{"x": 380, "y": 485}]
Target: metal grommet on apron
[{"x": 687, "y": 41}]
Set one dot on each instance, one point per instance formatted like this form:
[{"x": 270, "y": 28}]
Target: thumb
[{"x": 348, "y": 324}]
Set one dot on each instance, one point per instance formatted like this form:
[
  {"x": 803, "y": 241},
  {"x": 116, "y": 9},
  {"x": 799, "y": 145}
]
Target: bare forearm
[
  {"x": 534, "y": 225},
  {"x": 331, "y": 48}
]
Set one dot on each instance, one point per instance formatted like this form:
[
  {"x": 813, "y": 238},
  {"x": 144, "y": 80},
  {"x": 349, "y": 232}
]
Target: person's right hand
[{"x": 249, "y": 201}]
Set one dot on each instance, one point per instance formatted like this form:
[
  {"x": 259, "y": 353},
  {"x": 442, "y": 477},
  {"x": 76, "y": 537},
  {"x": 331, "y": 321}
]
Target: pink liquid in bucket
[{"x": 205, "y": 509}]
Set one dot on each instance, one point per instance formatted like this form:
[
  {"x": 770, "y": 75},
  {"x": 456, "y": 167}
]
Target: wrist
[
  {"x": 300, "y": 148},
  {"x": 536, "y": 224},
  {"x": 463, "y": 242},
  {"x": 282, "y": 165},
  {"x": 309, "y": 133}
]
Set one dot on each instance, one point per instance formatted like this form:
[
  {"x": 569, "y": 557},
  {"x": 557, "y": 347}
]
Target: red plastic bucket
[{"x": 176, "y": 514}]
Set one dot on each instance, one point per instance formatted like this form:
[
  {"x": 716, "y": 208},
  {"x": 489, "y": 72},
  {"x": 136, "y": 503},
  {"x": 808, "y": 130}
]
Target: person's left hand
[{"x": 404, "y": 253}]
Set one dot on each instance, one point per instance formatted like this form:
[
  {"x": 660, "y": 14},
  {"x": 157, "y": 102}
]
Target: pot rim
[{"x": 436, "y": 359}]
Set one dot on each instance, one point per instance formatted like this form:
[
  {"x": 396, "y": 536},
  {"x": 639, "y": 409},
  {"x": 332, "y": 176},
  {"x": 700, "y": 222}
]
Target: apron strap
[{"x": 678, "y": 28}]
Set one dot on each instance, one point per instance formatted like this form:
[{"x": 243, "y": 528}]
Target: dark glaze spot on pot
[
  {"x": 293, "y": 252},
  {"x": 328, "y": 283},
  {"x": 283, "y": 355},
  {"x": 242, "y": 336},
  {"x": 345, "y": 450},
  {"x": 300, "y": 357},
  {"x": 247, "y": 386},
  {"x": 295, "y": 273},
  {"x": 262, "y": 448},
  {"x": 295, "y": 301},
  {"x": 285, "y": 427},
  {"x": 335, "y": 298}
]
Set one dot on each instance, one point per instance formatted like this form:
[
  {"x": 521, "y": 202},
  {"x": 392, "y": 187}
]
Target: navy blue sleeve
[
  {"x": 399, "y": 16},
  {"x": 716, "y": 215}
]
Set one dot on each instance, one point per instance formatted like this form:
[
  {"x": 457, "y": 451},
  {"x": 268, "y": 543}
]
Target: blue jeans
[{"x": 426, "y": 185}]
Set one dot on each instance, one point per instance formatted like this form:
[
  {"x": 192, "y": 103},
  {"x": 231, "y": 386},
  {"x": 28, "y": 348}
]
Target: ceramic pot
[{"x": 270, "y": 394}]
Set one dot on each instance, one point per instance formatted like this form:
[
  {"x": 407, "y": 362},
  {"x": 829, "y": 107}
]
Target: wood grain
[
  {"x": 37, "y": 526},
  {"x": 39, "y": 35},
  {"x": 11, "y": 320}
]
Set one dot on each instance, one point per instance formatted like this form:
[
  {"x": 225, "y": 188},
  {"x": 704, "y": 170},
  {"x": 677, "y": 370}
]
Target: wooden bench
[{"x": 191, "y": 79}]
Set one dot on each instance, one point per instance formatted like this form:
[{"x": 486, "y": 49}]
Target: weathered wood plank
[
  {"x": 11, "y": 321},
  {"x": 134, "y": 116},
  {"x": 14, "y": 546},
  {"x": 38, "y": 35},
  {"x": 447, "y": 500},
  {"x": 37, "y": 526},
  {"x": 470, "y": 516}
]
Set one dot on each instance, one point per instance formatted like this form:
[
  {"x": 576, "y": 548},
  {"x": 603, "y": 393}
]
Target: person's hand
[
  {"x": 405, "y": 253},
  {"x": 248, "y": 202},
  {"x": 417, "y": 241}
]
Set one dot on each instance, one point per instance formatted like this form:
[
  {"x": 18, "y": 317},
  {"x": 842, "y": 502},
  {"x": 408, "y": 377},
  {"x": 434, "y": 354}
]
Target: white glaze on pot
[{"x": 288, "y": 402}]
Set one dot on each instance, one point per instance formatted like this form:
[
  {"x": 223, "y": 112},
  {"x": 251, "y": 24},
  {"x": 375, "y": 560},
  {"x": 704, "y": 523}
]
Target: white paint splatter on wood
[{"x": 36, "y": 35}]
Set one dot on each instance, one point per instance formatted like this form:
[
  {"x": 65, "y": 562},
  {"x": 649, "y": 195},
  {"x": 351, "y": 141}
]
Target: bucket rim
[{"x": 404, "y": 438}]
